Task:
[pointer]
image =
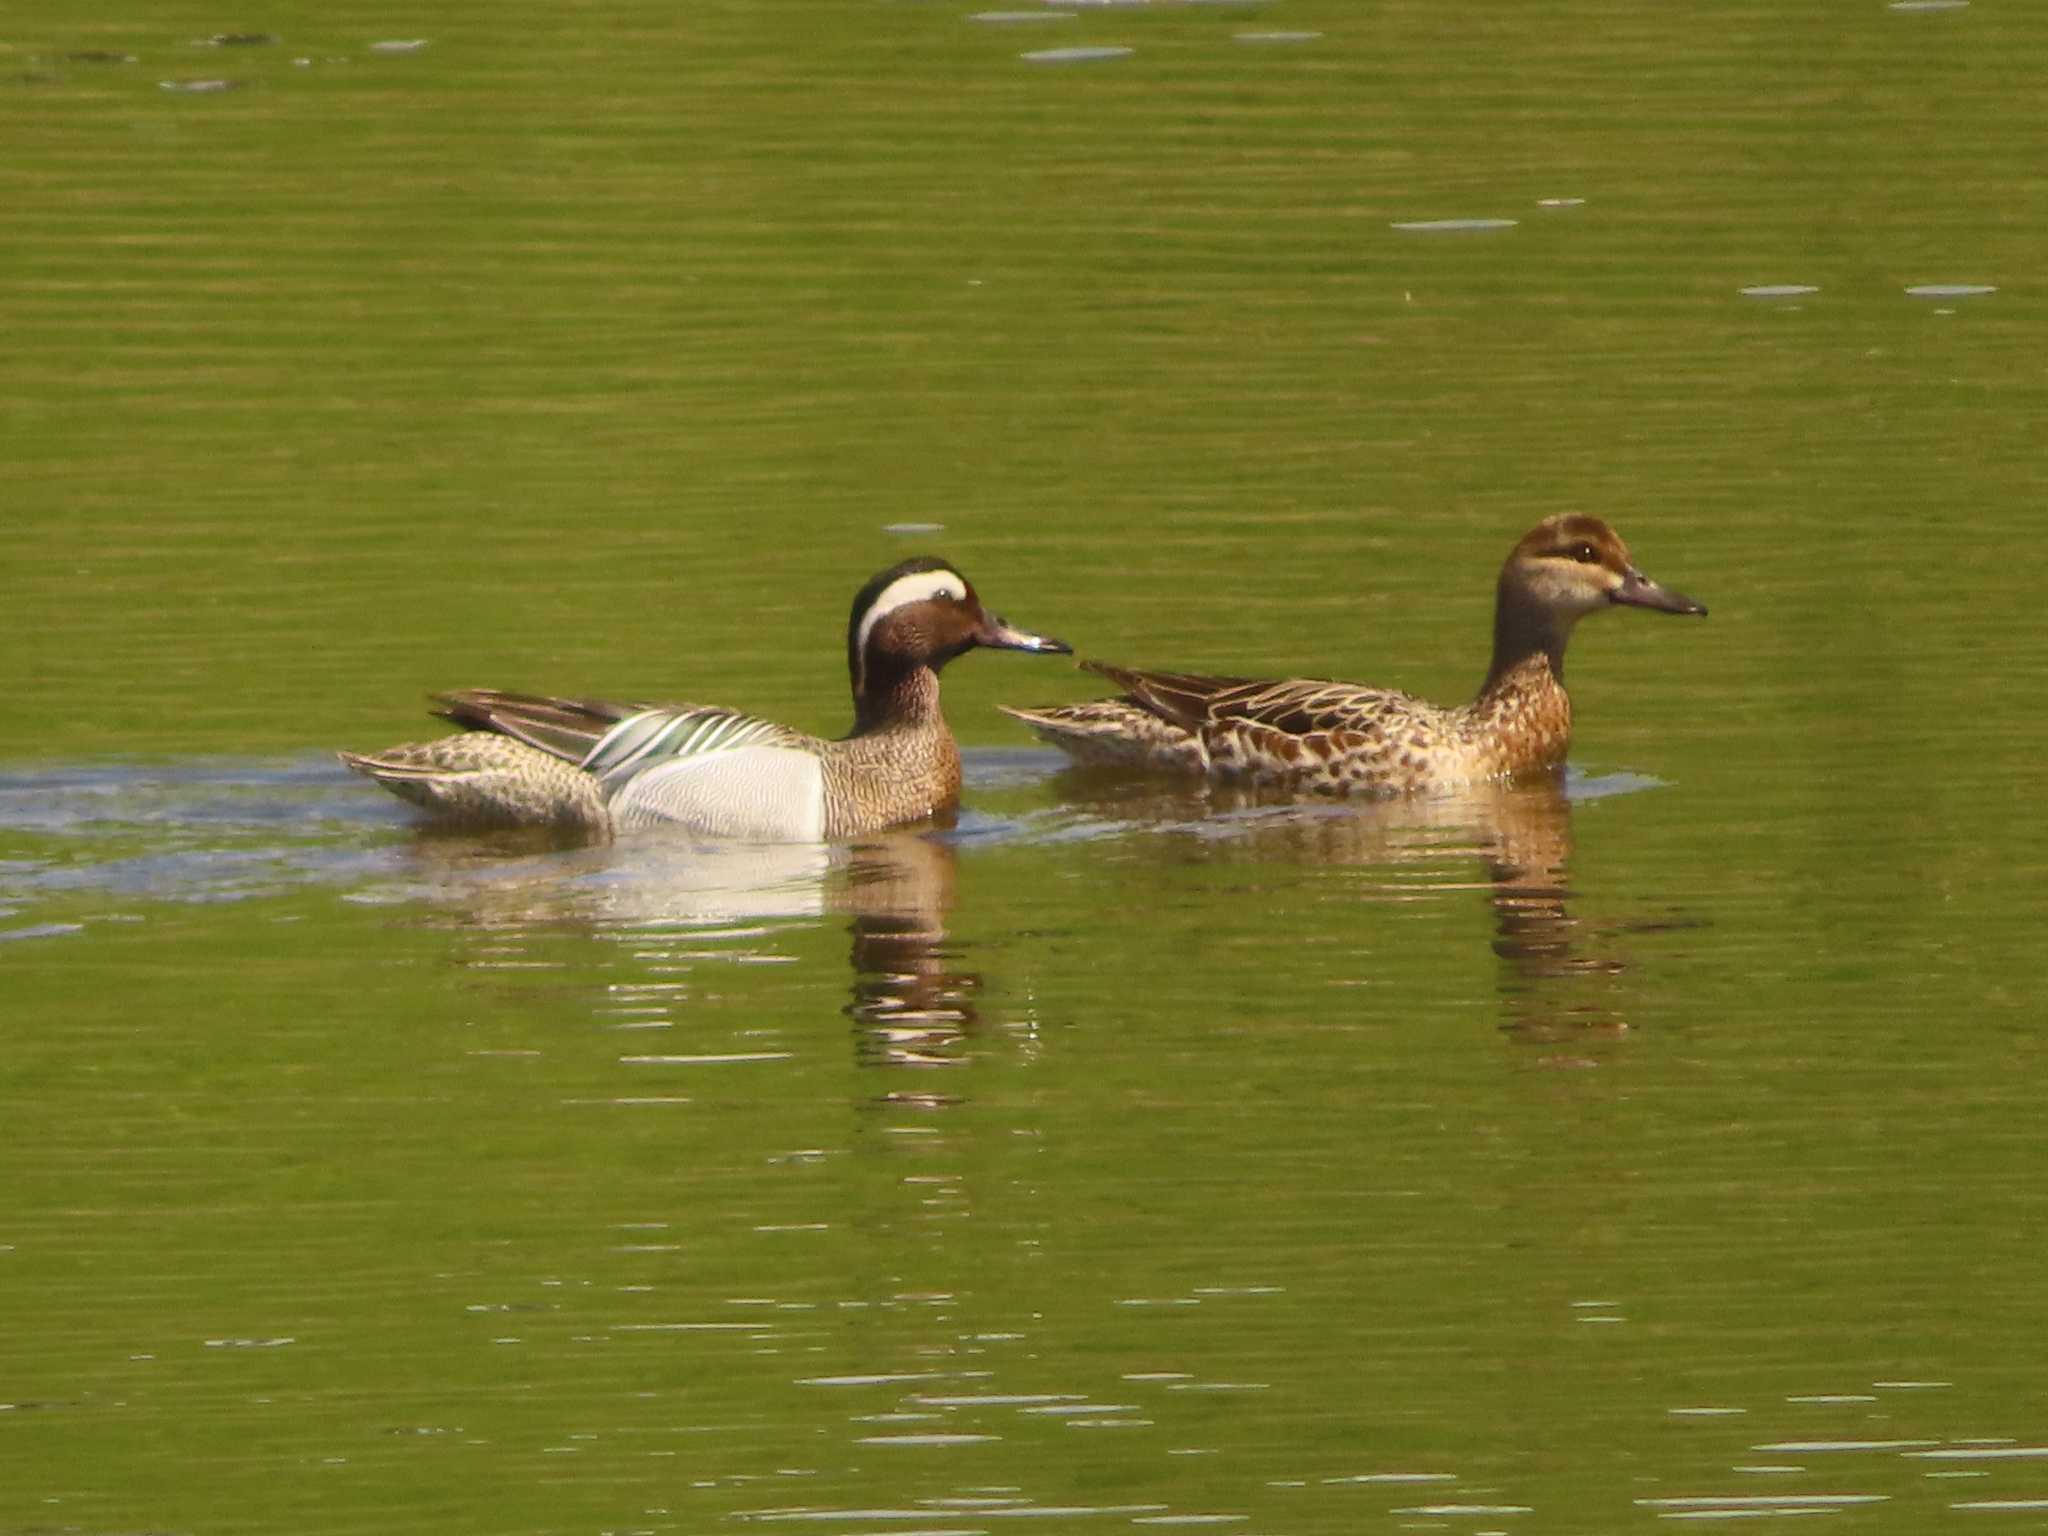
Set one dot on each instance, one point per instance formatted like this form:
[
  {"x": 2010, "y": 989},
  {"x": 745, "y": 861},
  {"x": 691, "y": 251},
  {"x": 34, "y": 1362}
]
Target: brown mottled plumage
[
  {"x": 593, "y": 767},
  {"x": 1345, "y": 738}
]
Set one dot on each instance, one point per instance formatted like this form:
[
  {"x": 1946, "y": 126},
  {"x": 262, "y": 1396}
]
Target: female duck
[
  {"x": 598, "y": 768},
  {"x": 1345, "y": 738}
]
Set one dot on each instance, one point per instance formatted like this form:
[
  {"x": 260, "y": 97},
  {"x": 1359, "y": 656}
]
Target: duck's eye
[{"x": 1585, "y": 554}]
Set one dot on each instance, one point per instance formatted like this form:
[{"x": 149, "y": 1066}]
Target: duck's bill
[
  {"x": 1638, "y": 591},
  {"x": 999, "y": 636}
]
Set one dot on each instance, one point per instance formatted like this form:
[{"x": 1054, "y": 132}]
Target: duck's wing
[
  {"x": 613, "y": 741},
  {"x": 566, "y": 728},
  {"x": 1294, "y": 706},
  {"x": 665, "y": 736}
]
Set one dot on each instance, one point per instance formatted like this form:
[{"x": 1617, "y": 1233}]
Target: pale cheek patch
[
  {"x": 918, "y": 587},
  {"x": 1571, "y": 589}
]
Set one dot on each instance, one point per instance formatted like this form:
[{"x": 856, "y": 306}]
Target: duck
[
  {"x": 1311, "y": 734},
  {"x": 593, "y": 768}
]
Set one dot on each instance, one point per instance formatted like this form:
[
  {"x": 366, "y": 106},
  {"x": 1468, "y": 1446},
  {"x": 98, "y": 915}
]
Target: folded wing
[
  {"x": 1295, "y": 706},
  {"x": 564, "y": 728}
]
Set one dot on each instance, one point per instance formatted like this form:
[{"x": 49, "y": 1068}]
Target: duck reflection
[
  {"x": 911, "y": 1006},
  {"x": 911, "y": 1001},
  {"x": 1418, "y": 847}
]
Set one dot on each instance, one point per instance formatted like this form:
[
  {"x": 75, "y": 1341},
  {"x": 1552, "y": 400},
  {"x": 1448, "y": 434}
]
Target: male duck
[
  {"x": 1345, "y": 738},
  {"x": 597, "y": 768}
]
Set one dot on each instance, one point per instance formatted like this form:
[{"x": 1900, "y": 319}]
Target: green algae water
[{"x": 1659, "y": 1146}]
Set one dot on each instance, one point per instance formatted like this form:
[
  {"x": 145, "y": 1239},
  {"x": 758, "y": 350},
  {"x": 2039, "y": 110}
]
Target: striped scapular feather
[
  {"x": 613, "y": 742},
  {"x": 564, "y": 728},
  {"x": 667, "y": 733}
]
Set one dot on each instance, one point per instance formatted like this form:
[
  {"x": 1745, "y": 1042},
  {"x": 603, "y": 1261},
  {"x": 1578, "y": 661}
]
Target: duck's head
[
  {"x": 1572, "y": 565},
  {"x": 921, "y": 614}
]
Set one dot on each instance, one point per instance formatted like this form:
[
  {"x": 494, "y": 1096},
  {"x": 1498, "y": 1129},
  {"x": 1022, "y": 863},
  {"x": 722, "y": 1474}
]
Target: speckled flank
[
  {"x": 481, "y": 780},
  {"x": 1345, "y": 738}
]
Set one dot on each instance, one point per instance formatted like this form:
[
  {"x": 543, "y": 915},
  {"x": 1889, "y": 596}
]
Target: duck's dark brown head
[{"x": 920, "y": 615}]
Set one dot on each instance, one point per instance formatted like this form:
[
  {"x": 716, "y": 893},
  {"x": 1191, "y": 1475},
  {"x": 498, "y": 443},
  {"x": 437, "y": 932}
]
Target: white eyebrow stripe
[{"x": 917, "y": 587}]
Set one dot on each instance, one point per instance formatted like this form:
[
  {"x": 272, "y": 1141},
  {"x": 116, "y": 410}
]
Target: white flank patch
[
  {"x": 917, "y": 587},
  {"x": 753, "y": 794}
]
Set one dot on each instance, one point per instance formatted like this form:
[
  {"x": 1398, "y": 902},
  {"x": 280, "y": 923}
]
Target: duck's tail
[
  {"x": 483, "y": 780},
  {"x": 1114, "y": 733}
]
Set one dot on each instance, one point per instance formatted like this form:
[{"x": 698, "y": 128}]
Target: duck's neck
[
  {"x": 1527, "y": 639},
  {"x": 904, "y": 698},
  {"x": 1521, "y": 722}
]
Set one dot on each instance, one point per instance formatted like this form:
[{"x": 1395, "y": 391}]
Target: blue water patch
[
  {"x": 40, "y": 931},
  {"x": 89, "y": 842}
]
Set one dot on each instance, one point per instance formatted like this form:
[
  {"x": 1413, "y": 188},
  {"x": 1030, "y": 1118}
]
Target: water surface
[{"x": 1656, "y": 1147}]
